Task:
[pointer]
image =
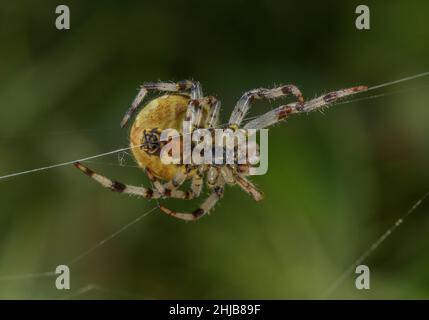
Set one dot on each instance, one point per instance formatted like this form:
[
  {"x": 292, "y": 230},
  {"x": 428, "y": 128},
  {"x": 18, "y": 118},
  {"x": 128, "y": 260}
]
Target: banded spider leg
[
  {"x": 182, "y": 86},
  {"x": 246, "y": 100},
  {"x": 283, "y": 112}
]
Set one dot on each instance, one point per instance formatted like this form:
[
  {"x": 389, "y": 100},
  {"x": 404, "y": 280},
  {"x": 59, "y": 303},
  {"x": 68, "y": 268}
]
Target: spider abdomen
[{"x": 165, "y": 112}]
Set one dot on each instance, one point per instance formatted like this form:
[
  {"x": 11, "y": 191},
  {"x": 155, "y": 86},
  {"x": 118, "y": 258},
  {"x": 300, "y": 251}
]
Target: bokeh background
[{"x": 336, "y": 181}]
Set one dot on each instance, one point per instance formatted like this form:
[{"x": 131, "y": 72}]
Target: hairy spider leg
[
  {"x": 281, "y": 113},
  {"x": 244, "y": 103},
  {"x": 181, "y": 86}
]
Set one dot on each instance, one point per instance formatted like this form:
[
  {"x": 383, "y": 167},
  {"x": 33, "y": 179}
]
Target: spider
[{"x": 184, "y": 101}]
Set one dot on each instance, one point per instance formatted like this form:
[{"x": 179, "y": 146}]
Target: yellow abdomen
[{"x": 165, "y": 112}]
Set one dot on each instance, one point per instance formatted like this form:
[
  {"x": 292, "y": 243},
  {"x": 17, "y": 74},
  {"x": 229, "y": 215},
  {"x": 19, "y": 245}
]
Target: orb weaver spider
[{"x": 184, "y": 101}]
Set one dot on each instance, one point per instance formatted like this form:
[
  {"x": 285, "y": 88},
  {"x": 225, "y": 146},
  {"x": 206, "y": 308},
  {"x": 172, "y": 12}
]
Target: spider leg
[
  {"x": 215, "y": 195},
  {"x": 118, "y": 186},
  {"x": 212, "y": 117},
  {"x": 249, "y": 187},
  {"x": 283, "y": 112},
  {"x": 181, "y": 86},
  {"x": 227, "y": 175},
  {"x": 197, "y": 185},
  {"x": 194, "y": 115},
  {"x": 205, "y": 207},
  {"x": 176, "y": 182},
  {"x": 212, "y": 177},
  {"x": 156, "y": 183},
  {"x": 246, "y": 100},
  {"x": 194, "y": 192},
  {"x": 171, "y": 188}
]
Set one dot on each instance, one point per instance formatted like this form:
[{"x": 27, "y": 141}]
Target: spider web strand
[
  {"x": 110, "y": 237},
  {"x": 64, "y": 163},
  {"x": 85, "y": 253},
  {"x": 373, "y": 247}
]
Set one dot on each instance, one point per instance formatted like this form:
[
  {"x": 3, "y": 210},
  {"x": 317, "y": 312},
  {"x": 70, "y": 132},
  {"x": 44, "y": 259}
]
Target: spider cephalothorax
[{"x": 185, "y": 109}]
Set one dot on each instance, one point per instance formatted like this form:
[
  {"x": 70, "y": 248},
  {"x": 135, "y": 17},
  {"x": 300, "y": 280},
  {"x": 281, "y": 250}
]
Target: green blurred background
[{"x": 336, "y": 181}]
